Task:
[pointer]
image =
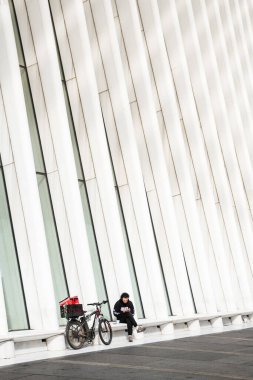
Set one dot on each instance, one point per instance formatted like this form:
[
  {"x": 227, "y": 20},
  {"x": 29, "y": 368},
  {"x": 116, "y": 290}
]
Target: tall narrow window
[
  {"x": 53, "y": 244},
  {"x": 134, "y": 281},
  {"x": 166, "y": 293},
  {"x": 94, "y": 252},
  {"x": 10, "y": 277}
]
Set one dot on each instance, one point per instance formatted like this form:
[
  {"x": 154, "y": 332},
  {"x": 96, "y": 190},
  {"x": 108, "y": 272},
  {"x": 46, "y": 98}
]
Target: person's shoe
[
  {"x": 130, "y": 338},
  {"x": 140, "y": 329}
]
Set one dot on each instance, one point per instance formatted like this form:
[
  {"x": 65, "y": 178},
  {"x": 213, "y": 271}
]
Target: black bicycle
[{"x": 78, "y": 332}]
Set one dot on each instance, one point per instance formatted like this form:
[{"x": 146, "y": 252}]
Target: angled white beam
[
  {"x": 44, "y": 43},
  {"x": 132, "y": 35},
  {"x": 160, "y": 63},
  {"x": 80, "y": 48},
  {"x": 191, "y": 86},
  {"x": 105, "y": 27},
  {"x": 23, "y": 157}
]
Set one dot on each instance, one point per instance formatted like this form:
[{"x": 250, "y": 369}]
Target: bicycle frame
[{"x": 97, "y": 314}]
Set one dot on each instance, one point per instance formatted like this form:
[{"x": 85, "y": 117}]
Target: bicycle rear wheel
[
  {"x": 76, "y": 334},
  {"x": 105, "y": 331}
]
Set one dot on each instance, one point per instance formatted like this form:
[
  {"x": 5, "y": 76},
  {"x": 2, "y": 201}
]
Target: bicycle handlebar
[{"x": 97, "y": 303}]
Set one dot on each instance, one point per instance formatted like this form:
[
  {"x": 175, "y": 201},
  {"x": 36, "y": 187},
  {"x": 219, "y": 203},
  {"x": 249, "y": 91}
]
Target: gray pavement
[{"x": 227, "y": 355}]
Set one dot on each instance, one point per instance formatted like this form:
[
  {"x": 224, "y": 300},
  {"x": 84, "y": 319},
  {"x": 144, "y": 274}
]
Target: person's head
[{"x": 124, "y": 297}]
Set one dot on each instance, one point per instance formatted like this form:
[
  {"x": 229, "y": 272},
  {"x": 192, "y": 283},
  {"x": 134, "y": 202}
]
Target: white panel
[
  {"x": 231, "y": 264},
  {"x": 168, "y": 156},
  {"x": 142, "y": 148},
  {"x": 96, "y": 55},
  {"x": 23, "y": 156},
  {"x": 112, "y": 61},
  {"x": 114, "y": 8},
  {"x": 70, "y": 262},
  {"x": 217, "y": 278},
  {"x": 173, "y": 39},
  {"x": 125, "y": 64},
  {"x": 23, "y": 249},
  {"x": 171, "y": 273},
  {"x": 82, "y": 57},
  {"x": 39, "y": 16},
  {"x": 62, "y": 39},
  {"x": 242, "y": 200},
  {"x": 227, "y": 124},
  {"x": 5, "y": 144},
  {"x": 136, "y": 54},
  {"x": 248, "y": 27},
  {"x": 80, "y": 128},
  {"x": 25, "y": 32},
  {"x": 140, "y": 264},
  {"x": 113, "y": 138},
  {"x": 190, "y": 164},
  {"x": 103, "y": 242},
  {"x": 226, "y": 75},
  {"x": 42, "y": 118},
  {"x": 151, "y": 75},
  {"x": 242, "y": 62},
  {"x": 188, "y": 253},
  {"x": 169, "y": 106}
]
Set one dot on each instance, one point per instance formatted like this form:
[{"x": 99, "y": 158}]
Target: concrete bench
[
  {"x": 164, "y": 326},
  {"x": 234, "y": 317},
  {"x": 215, "y": 320},
  {"x": 20, "y": 342},
  {"x": 191, "y": 321},
  {"x": 247, "y": 316}
]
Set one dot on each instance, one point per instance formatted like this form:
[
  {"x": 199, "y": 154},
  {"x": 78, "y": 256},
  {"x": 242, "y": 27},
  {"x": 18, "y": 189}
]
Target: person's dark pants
[{"x": 129, "y": 320}]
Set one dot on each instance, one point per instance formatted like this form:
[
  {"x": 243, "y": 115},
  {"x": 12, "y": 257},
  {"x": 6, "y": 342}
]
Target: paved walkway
[{"x": 227, "y": 355}]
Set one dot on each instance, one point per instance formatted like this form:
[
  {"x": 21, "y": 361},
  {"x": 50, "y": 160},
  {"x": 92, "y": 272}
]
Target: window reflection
[{"x": 9, "y": 266}]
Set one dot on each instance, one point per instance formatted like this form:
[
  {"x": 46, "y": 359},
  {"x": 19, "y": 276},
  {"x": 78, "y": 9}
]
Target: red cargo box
[
  {"x": 69, "y": 301},
  {"x": 71, "y": 311}
]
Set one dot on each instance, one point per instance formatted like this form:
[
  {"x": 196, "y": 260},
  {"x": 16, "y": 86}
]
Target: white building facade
[{"x": 126, "y": 157}]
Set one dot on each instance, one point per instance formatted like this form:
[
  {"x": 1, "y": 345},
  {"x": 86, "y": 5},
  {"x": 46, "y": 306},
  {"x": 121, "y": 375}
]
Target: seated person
[{"x": 124, "y": 312}]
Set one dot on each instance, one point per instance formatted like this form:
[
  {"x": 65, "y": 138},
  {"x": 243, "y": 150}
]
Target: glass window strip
[
  {"x": 21, "y": 56},
  {"x": 40, "y": 166},
  {"x": 166, "y": 293},
  {"x": 92, "y": 239},
  {"x": 15, "y": 303},
  {"x": 134, "y": 280}
]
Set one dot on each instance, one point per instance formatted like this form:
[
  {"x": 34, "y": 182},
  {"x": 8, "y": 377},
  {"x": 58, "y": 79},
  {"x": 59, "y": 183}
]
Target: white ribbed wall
[{"x": 171, "y": 82}]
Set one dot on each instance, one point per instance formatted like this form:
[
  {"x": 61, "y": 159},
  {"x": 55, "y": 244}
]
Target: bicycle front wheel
[
  {"x": 105, "y": 331},
  {"x": 76, "y": 334}
]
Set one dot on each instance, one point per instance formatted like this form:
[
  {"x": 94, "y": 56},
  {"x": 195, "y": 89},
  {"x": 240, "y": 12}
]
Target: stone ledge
[{"x": 35, "y": 335}]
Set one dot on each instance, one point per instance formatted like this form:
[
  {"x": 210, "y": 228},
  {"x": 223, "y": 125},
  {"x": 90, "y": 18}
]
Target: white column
[
  {"x": 41, "y": 26},
  {"x": 81, "y": 54},
  {"x": 235, "y": 94},
  {"x": 17, "y": 216},
  {"x": 7, "y": 349},
  {"x": 53, "y": 177},
  {"x": 227, "y": 127},
  {"x": 13, "y": 98},
  {"x": 229, "y": 124},
  {"x": 133, "y": 40},
  {"x": 246, "y": 10},
  {"x": 48, "y": 148},
  {"x": 247, "y": 39},
  {"x": 243, "y": 67},
  {"x": 184, "y": 86},
  {"x": 164, "y": 81},
  {"x": 105, "y": 27}
]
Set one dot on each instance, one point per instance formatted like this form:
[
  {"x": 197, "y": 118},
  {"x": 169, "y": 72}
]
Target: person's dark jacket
[{"x": 119, "y": 307}]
